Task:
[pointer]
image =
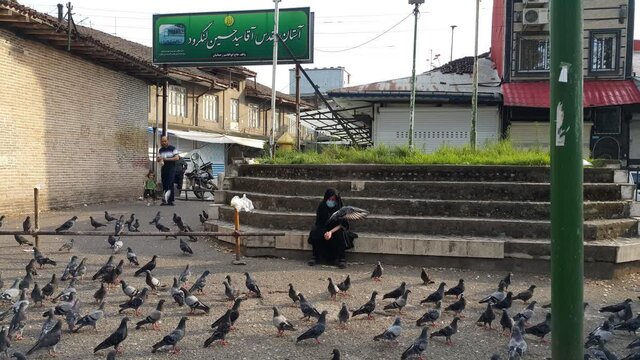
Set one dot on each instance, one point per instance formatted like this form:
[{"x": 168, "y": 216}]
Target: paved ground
[{"x": 254, "y": 338}]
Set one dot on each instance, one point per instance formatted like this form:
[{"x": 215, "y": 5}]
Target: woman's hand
[{"x": 327, "y": 235}]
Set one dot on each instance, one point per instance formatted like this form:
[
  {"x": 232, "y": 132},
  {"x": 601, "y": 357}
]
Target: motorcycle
[{"x": 201, "y": 179}]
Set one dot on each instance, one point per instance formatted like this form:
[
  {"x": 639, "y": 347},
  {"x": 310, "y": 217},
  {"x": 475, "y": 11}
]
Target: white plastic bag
[{"x": 242, "y": 203}]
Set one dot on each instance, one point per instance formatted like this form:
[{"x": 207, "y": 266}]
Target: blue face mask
[{"x": 331, "y": 203}]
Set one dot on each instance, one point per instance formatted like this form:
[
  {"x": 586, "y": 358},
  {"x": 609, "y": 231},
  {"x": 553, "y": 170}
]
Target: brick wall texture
[{"x": 76, "y": 128}]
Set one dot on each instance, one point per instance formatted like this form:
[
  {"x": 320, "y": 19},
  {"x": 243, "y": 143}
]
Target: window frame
[
  {"x": 522, "y": 38},
  {"x": 210, "y": 101},
  {"x": 618, "y": 111},
  {"x": 173, "y": 105},
  {"x": 254, "y": 116},
  {"x": 234, "y": 116},
  {"x": 616, "y": 56}
]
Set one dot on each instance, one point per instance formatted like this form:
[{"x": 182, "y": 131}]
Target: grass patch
[{"x": 497, "y": 153}]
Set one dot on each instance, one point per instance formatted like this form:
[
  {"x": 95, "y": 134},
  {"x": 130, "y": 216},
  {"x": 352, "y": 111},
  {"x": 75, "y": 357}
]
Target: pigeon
[
  {"x": 21, "y": 240},
  {"x": 506, "y": 281},
  {"x": 31, "y": 267},
  {"x": 73, "y": 315},
  {"x": 193, "y": 303},
  {"x": 100, "y": 294},
  {"x": 136, "y": 226},
  {"x": 163, "y": 228},
  {"x": 392, "y": 333},
  {"x": 1, "y": 220},
  {"x": 18, "y": 322},
  {"x": 526, "y": 295},
  {"x": 173, "y": 338},
  {"x": 343, "y": 316},
  {"x": 205, "y": 215},
  {"x": 5, "y": 342},
  {"x": 333, "y": 289},
  {"x": 177, "y": 220},
  {"x": 185, "y": 275},
  {"x": 116, "y": 338},
  {"x": 436, "y": 296},
  {"x": 336, "y": 354},
  {"x": 67, "y": 246},
  {"x": 293, "y": 295},
  {"x": 117, "y": 245},
  {"x": 616, "y": 307},
  {"x": 456, "y": 290},
  {"x": 496, "y": 296},
  {"x": 448, "y": 331},
  {"x": 348, "y": 213},
  {"x": 96, "y": 225},
  {"x": 200, "y": 283},
  {"x": 368, "y": 307},
  {"x": 542, "y": 329},
  {"x": 108, "y": 217},
  {"x": 506, "y": 321},
  {"x": 458, "y": 306},
  {"x": 631, "y": 325},
  {"x": 132, "y": 257},
  {"x": 504, "y": 303},
  {"x": 155, "y": 219},
  {"x": 229, "y": 291},
  {"x": 153, "y": 282},
  {"x": 307, "y": 309},
  {"x": 316, "y": 330},
  {"x": 18, "y": 355},
  {"x": 135, "y": 302},
  {"x": 377, "y": 272},
  {"x": 11, "y": 293},
  {"x": 128, "y": 290},
  {"x": 26, "y": 282},
  {"x": 50, "y": 287},
  {"x": 527, "y": 313},
  {"x": 396, "y": 293},
  {"x": 185, "y": 248},
  {"x": 71, "y": 266},
  {"x": 418, "y": 346},
  {"x": 66, "y": 306},
  {"x": 153, "y": 318},
  {"x": 36, "y": 295},
  {"x": 105, "y": 269},
  {"x": 41, "y": 259},
  {"x": 202, "y": 219},
  {"x": 426, "y": 280},
  {"x": 345, "y": 285},
  {"x": 90, "y": 319},
  {"x": 113, "y": 276},
  {"x": 230, "y": 315},
  {"x": 148, "y": 266},
  {"x": 399, "y": 303},
  {"x": 131, "y": 219},
  {"x": 117, "y": 231},
  {"x": 251, "y": 284},
  {"x": 111, "y": 240},
  {"x": 220, "y": 334},
  {"x": 81, "y": 270},
  {"x": 112, "y": 355},
  {"x": 487, "y": 317},
  {"x": 26, "y": 224},
  {"x": 16, "y": 306},
  {"x": 603, "y": 333},
  {"x": 48, "y": 323},
  {"x": 430, "y": 316},
  {"x": 176, "y": 293},
  {"x": 48, "y": 341},
  {"x": 67, "y": 292},
  {"x": 67, "y": 225},
  {"x": 517, "y": 346},
  {"x": 281, "y": 323}
]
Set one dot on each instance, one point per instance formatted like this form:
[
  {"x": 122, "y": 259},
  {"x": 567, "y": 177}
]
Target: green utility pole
[{"x": 567, "y": 250}]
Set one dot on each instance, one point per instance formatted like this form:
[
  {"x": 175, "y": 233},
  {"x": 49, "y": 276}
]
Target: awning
[
  {"x": 213, "y": 138},
  {"x": 595, "y": 93}
]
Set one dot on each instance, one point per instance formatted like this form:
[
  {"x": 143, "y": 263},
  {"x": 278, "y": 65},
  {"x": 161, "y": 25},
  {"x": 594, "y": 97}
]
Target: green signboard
[{"x": 232, "y": 38}]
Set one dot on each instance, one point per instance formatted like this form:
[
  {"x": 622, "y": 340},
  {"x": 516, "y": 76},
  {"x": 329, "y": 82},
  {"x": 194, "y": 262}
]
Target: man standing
[{"x": 168, "y": 156}]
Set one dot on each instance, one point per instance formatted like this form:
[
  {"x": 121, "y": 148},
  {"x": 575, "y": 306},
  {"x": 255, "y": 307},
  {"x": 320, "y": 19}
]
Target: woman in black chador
[{"x": 329, "y": 240}]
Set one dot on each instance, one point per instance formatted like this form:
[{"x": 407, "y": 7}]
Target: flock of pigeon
[{"x": 65, "y": 303}]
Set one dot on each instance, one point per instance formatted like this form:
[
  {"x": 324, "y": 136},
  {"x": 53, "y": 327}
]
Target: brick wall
[{"x": 74, "y": 127}]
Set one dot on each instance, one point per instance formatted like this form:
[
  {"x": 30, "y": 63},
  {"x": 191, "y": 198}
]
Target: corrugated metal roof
[{"x": 595, "y": 93}]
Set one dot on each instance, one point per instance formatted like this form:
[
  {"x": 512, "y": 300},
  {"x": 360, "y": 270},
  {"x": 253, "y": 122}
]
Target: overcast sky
[{"x": 339, "y": 25}]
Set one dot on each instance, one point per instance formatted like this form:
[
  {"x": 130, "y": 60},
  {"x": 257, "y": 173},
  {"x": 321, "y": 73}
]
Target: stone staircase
[{"x": 467, "y": 216}]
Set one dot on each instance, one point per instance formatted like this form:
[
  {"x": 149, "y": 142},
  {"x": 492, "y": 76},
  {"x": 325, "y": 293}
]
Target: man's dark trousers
[{"x": 168, "y": 175}]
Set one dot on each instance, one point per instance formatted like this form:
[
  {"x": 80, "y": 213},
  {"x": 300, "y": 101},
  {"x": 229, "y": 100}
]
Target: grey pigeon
[
  {"x": 336, "y": 354},
  {"x": 487, "y": 317},
  {"x": 96, "y": 225},
  {"x": 21, "y": 240},
  {"x": 430, "y": 316},
  {"x": 368, "y": 307},
  {"x": 517, "y": 346},
  {"x": 527, "y": 313},
  {"x": 153, "y": 318},
  {"x": 293, "y": 294},
  {"x": 542, "y": 329},
  {"x": 506, "y": 321},
  {"x": 16, "y": 306},
  {"x": 399, "y": 303},
  {"x": 631, "y": 325},
  {"x": 525, "y": 295},
  {"x": 200, "y": 283},
  {"x": 164, "y": 229},
  {"x": 49, "y": 340},
  {"x": 418, "y": 346},
  {"x": 230, "y": 316},
  {"x": 504, "y": 303},
  {"x": 104, "y": 269},
  {"x": 229, "y": 291},
  {"x": 12, "y": 293},
  {"x": 67, "y": 246},
  {"x": 100, "y": 294},
  {"x": 426, "y": 279},
  {"x": 307, "y": 309},
  {"x": 185, "y": 248},
  {"x": 343, "y": 316},
  {"x": 67, "y": 225},
  {"x": 26, "y": 224},
  {"x": 458, "y": 306},
  {"x": 495, "y": 296},
  {"x": 31, "y": 267},
  {"x": 252, "y": 285},
  {"x": 177, "y": 220},
  {"x": 219, "y": 334},
  {"x": 316, "y": 330},
  {"x": 48, "y": 324},
  {"x": 128, "y": 290},
  {"x": 69, "y": 269},
  {"x": 155, "y": 219},
  {"x": 615, "y": 308},
  {"x": 185, "y": 275},
  {"x": 18, "y": 322},
  {"x": 281, "y": 323},
  {"x": 148, "y": 266},
  {"x": 132, "y": 257},
  {"x": 507, "y": 280},
  {"x": 50, "y": 287},
  {"x": 176, "y": 294},
  {"x": 193, "y": 303},
  {"x": 90, "y": 319},
  {"x": 348, "y": 213},
  {"x": 333, "y": 289},
  {"x": 5, "y": 342},
  {"x": 436, "y": 296},
  {"x": 108, "y": 217},
  {"x": 173, "y": 338},
  {"x": 396, "y": 293},
  {"x": 18, "y": 355},
  {"x": 456, "y": 290},
  {"x": 36, "y": 294},
  {"x": 377, "y": 272},
  {"x": 26, "y": 281},
  {"x": 205, "y": 214},
  {"x": 116, "y": 338},
  {"x": 392, "y": 333},
  {"x": 448, "y": 331},
  {"x": 153, "y": 282},
  {"x": 345, "y": 285},
  {"x": 603, "y": 333},
  {"x": 134, "y": 303},
  {"x": 41, "y": 259}
]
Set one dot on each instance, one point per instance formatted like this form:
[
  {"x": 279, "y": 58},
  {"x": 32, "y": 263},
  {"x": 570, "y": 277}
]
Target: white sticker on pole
[
  {"x": 564, "y": 72},
  {"x": 560, "y": 131}
]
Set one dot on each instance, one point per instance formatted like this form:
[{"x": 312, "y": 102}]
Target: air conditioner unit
[{"x": 535, "y": 16}]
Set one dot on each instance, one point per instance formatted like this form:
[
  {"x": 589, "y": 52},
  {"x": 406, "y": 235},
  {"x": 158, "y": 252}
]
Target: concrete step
[
  {"x": 485, "y": 173},
  {"x": 536, "y": 229},
  {"x": 442, "y": 208},
  {"x": 603, "y": 259},
  {"x": 434, "y": 190}
]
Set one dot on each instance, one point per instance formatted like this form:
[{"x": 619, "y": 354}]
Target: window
[
  {"x": 177, "y": 102},
  {"x": 292, "y": 123},
  {"x": 254, "y": 116},
  {"x": 210, "y": 107},
  {"x": 235, "y": 110},
  {"x": 604, "y": 51},
  {"x": 606, "y": 121},
  {"x": 534, "y": 54}
]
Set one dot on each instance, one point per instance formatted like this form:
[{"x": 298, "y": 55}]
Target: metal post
[
  {"x": 567, "y": 249},
  {"x": 236, "y": 235},
  {"x": 453, "y": 27},
  {"x": 69, "y": 26},
  {"x": 272, "y": 142},
  {"x": 412, "y": 104},
  {"x": 36, "y": 214},
  {"x": 298, "y": 107},
  {"x": 165, "y": 90},
  {"x": 474, "y": 96}
]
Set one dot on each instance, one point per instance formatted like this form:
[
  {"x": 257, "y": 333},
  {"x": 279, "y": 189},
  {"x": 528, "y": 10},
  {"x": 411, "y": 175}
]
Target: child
[{"x": 150, "y": 188}]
